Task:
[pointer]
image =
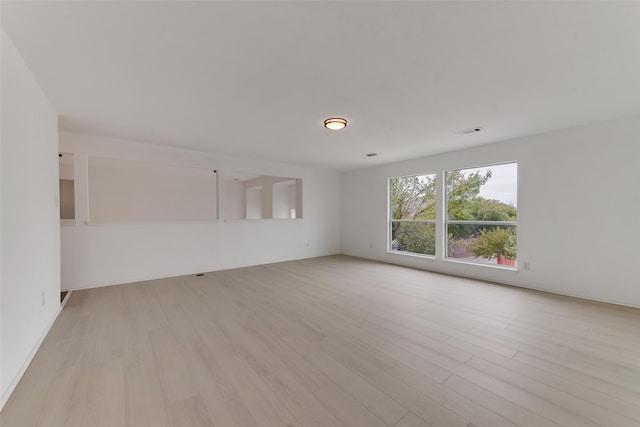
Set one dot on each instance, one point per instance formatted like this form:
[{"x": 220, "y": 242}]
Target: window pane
[
  {"x": 413, "y": 197},
  {"x": 485, "y": 244},
  {"x": 414, "y": 237},
  {"x": 483, "y": 194}
]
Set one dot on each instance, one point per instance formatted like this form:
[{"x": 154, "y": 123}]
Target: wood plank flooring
[{"x": 333, "y": 341}]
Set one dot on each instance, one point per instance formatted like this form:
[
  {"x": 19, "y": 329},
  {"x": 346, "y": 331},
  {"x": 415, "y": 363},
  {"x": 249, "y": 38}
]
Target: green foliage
[
  {"x": 490, "y": 243},
  {"x": 461, "y": 231},
  {"x": 462, "y": 191},
  {"x": 417, "y": 238},
  {"x": 462, "y": 194},
  {"x": 492, "y": 210},
  {"x": 413, "y": 197}
]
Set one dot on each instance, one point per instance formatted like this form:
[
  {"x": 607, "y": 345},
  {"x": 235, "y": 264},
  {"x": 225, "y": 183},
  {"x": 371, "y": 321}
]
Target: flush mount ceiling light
[{"x": 335, "y": 123}]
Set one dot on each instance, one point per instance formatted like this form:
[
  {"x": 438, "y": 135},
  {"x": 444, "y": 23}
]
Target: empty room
[{"x": 319, "y": 213}]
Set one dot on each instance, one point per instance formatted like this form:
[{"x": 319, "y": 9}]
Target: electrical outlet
[
  {"x": 527, "y": 266},
  {"x": 43, "y": 299}
]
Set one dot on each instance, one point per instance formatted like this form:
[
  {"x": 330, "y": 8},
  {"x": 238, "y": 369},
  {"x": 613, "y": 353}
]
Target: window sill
[
  {"x": 411, "y": 254},
  {"x": 496, "y": 266}
]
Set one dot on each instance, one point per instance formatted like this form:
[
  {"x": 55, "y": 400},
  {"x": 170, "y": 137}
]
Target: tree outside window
[
  {"x": 480, "y": 217},
  {"x": 481, "y": 214},
  {"x": 413, "y": 214}
]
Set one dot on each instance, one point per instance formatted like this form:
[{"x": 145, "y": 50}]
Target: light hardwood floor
[{"x": 332, "y": 341}]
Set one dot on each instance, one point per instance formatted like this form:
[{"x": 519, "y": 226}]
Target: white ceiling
[{"x": 258, "y": 78}]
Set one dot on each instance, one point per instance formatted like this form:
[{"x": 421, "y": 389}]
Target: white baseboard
[{"x": 12, "y": 386}]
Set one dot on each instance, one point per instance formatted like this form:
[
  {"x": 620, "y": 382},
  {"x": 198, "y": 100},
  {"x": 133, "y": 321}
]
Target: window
[
  {"x": 412, "y": 215},
  {"x": 481, "y": 214}
]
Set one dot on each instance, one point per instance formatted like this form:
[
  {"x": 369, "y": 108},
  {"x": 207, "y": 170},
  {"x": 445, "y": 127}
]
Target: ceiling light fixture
[{"x": 335, "y": 123}]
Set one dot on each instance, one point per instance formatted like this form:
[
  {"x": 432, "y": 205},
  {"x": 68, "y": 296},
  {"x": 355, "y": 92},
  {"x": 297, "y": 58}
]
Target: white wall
[
  {"x": 284, "y": 198},
  {"x": 30, "y": 226},
  {"x": 96, "y": 254},
  {"x": 254, "y": 202},
  {"x": 125, "y": 190},
  {"x": 578, "y": 199},
  {"x": 235, "y": 200},
  {"x": 66, "y": 171}
]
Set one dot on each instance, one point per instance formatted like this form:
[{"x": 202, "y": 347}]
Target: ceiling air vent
[
  {"x": 470, "y": 130},
  {"x": 369, "y": 155}
]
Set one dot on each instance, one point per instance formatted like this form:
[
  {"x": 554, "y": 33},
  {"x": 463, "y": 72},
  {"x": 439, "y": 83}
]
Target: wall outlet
[
  {"x": 526, "y": 265},
  {"x": 43, "y": 299}
]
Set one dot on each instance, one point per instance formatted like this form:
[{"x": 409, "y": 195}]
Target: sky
[{"x": 503, "y": 185}]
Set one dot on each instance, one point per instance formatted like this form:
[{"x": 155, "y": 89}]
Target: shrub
[{"x": 490, "y": 243}]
